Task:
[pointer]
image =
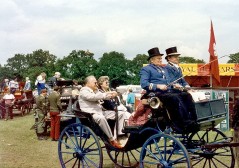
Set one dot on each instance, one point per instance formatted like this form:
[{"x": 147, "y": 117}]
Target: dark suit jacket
[
  {"x": 152, "y": 75},
  {"x": 174, "y": 73}
]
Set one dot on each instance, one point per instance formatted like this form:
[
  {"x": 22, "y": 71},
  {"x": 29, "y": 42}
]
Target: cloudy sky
[{"x": 127, "y": 26}]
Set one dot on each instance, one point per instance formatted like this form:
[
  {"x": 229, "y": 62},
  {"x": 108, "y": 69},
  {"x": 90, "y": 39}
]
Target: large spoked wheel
[
  {"x": 124, "y": 159},
  {"x": 214, "y": 157},
  {"x": 163, "y": 150},
  {"x": 78, "y": 146}
]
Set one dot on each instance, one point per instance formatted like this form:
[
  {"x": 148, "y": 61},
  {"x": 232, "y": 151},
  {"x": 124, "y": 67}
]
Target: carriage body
[
  {"x": 24, "y": 101},
  {"x": 153, "y": 143}
]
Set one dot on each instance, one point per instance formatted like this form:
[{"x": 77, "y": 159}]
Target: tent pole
[{"x": 210, "y": 80}]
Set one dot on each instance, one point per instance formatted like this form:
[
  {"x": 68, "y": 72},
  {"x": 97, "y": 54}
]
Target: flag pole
[{"x": 210, "y": 80}]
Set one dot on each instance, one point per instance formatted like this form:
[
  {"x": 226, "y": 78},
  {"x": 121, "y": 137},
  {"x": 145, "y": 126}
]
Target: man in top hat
[
  {"x": 174, "y": 71},
  {"x": 155, "y": 78}
]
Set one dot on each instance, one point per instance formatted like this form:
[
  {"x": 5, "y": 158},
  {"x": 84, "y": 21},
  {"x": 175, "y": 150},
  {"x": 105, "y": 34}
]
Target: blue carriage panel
[
  {"x": 218, "y": 107},
  {"x": 210, "y": 113},
  {"x": 207, "y": 110},
  {"x": 203, "y": 110}
]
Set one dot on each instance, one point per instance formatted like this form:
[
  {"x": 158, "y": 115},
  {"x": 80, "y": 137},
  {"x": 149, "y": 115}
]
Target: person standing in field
[
  {"x": 9, "y": 100},
  {"x": 40, "y": 82},
  {"x": 55, "y": 108},
  {"x": 131, "y": 100},
  {"x": 27, "y": 85},
  {"x": 41, "y": 110}
]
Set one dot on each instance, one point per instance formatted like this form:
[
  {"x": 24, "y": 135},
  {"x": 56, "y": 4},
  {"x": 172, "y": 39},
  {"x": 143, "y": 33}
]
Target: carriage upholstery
[{"x": 87, "y": 119}]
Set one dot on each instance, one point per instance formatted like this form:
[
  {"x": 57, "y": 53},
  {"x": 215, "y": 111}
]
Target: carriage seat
[
  {"x": 81, "y": 114},
  {"x": 78, "y": 112}
]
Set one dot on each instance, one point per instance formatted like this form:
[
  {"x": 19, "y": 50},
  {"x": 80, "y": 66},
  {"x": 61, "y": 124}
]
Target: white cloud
[{"x": 131, "y": 27}]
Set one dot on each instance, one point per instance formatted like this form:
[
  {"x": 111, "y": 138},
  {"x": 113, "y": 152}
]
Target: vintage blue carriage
[{"x": 154, "y": 144}]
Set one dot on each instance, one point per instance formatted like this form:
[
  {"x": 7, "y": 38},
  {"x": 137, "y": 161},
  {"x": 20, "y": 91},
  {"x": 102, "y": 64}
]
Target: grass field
[{"x": 20, "y": 148}]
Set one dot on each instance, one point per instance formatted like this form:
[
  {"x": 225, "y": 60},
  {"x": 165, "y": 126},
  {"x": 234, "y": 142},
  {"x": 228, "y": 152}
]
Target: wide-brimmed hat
[
  {"x": 154, "y": 52},
  {"x": 172, "y": 51}
]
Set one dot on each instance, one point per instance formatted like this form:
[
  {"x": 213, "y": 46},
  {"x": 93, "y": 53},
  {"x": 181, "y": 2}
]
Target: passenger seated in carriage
[
  {"x": 13, "y": 85},
  {"x": 103, "y": 84},
  {"x": 179, "y": 104},
  {"x": 89, "y": 101},
  {"x": 174, "y": 71}
]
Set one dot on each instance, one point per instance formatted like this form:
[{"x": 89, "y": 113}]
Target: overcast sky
[{"x": 128, "y": 26}]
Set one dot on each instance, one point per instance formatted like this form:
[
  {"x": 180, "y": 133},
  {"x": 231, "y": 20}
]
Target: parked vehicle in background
[{"x": 124, "y": 90}]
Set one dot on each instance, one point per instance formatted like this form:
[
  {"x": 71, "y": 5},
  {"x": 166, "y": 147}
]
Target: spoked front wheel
[
  {"x": 163, "y": 150},
  {"x": 79, "y": 147},
  {"x": 222, "y": 157}
]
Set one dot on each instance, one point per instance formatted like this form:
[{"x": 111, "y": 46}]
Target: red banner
[{"x": 214, "y": 68}]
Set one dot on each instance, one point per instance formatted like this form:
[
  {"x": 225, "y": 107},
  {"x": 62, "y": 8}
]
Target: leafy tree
[
  {"x": 134, "y": 67},
  {"x": 40, "y": 58},
  {"x": 187, "y": 59},
  {"x": 17, "y": 65},
  {"x": 5, "y": 72},
  {"x": 233, "y": 58},
  {"x": 77, "y": 65},
  {"x": 114, "y": 65}
]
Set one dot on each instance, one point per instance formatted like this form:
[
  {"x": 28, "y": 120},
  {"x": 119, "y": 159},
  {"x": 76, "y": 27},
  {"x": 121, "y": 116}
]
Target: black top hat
[
  {"x": 154, "y": 52},
  {"x": 171, "y": 51}
]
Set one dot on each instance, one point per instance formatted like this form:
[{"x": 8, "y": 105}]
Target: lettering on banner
[
  {"x": 189, "y": 69},
  {"x": 227, "y": 69}
]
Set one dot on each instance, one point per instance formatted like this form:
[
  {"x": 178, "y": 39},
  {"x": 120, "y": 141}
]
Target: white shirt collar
[{"x": 176, "y": 65}]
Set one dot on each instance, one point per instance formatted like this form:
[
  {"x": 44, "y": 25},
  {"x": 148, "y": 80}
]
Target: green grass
[{"x": 20, "y": 148}]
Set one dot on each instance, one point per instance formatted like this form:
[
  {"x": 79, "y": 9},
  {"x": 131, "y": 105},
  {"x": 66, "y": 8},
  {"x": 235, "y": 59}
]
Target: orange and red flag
[{"x": 214, "y": 68}]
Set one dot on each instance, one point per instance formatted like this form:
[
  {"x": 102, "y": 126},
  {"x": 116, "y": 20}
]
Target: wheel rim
[
  {"x": 213, "y": 158},
  {"x": 78, "y": 146},
  {"x": 162, "y": 150}
]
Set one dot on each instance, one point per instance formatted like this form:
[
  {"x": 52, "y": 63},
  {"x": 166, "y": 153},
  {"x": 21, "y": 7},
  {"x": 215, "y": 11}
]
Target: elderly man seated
[{"x": 89, "y": 100}]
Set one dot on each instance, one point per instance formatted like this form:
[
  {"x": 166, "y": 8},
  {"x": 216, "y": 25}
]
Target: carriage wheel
[
  {"x": 163, "y": 150},
  {"x": 78, "y": 146},
  {"x": 215, "y": 158},
  {"x": 23, "y": 109},
  {"x": 29, "y": 107},
  {"x": 124, "y": 159}
]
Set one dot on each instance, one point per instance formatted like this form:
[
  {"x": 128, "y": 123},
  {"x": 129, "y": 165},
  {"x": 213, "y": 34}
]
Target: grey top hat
[{"x": 154, "y": 52}]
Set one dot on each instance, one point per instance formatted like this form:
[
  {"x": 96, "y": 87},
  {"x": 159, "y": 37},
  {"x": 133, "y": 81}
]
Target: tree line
[{"x": 80, "y": 64}]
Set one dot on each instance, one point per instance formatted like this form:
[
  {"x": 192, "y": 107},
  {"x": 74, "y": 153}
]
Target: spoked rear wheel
[
  {"x": 215, "y": 157},
  {"x": 125, "y": 159},
  {"x": 78, "y": 146},
  {"x": 163, "y": 150}
]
